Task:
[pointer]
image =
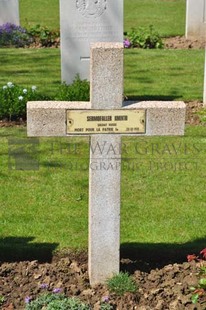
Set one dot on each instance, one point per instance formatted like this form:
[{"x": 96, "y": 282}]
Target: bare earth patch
[
  {"x": 163, "y": 288},
  {"x": 183, "y": 43}
]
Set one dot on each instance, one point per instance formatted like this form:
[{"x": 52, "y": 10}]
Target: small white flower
[
  {"x": 4, "y": 87},
  {"x": 20, "y": 98},
  {"x": 10, "y": 84},
  {"x": 24, "y": 90},
  {"x": 33, "y": 87}
]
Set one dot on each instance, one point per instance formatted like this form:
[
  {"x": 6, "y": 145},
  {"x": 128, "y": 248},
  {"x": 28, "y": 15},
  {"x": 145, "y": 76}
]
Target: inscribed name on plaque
[{"x": 105, "y": 121}]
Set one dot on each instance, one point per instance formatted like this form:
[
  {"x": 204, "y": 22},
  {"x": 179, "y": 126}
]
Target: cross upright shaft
[{"x": 106, "y": 90}]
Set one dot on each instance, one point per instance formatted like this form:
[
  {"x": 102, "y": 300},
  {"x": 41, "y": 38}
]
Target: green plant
[
  {"x": 44, "y": 36},
  {"x": 105, "y": 306},
  {"x": 200, "y": 289},
  {"x": 13, "y": 100},
  {"x": 55, "y": 302},
  {"x": 202, "y": 115},
  {"x": 1, "y": 300},
  {"x": 77, "y": 91},
  {"x": 145, "y": 38},
  {"x": 121, "y": 283},
  {"x": 12, "y": 35}
]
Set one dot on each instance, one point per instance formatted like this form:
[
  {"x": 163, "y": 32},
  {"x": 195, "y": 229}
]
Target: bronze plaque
[{"x": 87, "y": 122}]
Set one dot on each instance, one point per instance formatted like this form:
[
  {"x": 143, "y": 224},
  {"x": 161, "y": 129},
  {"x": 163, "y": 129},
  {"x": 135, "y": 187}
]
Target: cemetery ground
[
  {"x": 43, "y": 214},
  {"x": 44, "y": 220}
]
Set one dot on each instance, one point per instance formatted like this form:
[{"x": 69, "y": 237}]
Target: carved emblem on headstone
[{"x": 91, "y": 8}]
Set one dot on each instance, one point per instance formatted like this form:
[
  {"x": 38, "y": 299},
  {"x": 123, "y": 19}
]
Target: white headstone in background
[
  {"x": 9, "y": 12},
  {"x": 83, "y": 22},
  {"x": 196, "y": 19}
]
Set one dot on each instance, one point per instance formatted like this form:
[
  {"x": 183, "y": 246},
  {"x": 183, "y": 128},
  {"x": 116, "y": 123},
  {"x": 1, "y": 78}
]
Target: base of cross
[{"x": 53, "y": 119}]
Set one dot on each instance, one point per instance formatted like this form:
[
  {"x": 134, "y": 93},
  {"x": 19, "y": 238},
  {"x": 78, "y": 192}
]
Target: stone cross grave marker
[
  {"x": 9, "y": 12},
  {"x": 106, "y": 121},
  {"x": 83, "y": 22},
  {"x": 196, "y": 19}
]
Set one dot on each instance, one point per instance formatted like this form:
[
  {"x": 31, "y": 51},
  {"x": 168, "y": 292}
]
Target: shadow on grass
[
  {"x": 15, "y": 249},
  {"x": 147, "y": 256},
  {"x": 134, "y": 256}
]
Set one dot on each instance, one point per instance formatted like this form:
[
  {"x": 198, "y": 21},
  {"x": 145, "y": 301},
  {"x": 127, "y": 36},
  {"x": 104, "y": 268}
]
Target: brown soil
[
  {"x": 183, "y": 43},
  {"x": 178, "y": 42},
  {"x": 161, "y": 289},
  {"x": 192, "y": 115}
]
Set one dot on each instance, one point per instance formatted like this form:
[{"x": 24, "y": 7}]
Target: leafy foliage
[
  {"x": 200, "y": 289},
  {"x": 1, "y": 299},
  {"x": 144, "y": 38},
  {"x": 44, "y": 36},
  {"x": 56, "y": 302},
  {"x": 121, "y": 283},
  {"x": 106, "y": 306},
  {"x": 12, "y": 35},
  {"x": 13, "y": 100},
  {"x": 202, "y": 116},
  {"x": 77, "y": 91}
]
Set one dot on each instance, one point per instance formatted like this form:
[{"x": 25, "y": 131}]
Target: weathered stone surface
[
  {"x": 104, "y": 179},
  {"x": 48, "y": 118},
  {"x": 162, "y": 117},
  {"x": 81, "y": 24},
  {"x": 9, "y": 12},
  {"x": 196, "y": 19}
]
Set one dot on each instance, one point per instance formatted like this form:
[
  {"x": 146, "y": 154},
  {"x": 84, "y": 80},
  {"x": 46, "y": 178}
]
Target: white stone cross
[{"x": 50, "y": 119}]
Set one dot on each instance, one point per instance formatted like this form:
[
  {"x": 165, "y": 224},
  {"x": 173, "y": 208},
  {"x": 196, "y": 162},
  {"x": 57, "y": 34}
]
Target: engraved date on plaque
[{"x": 86, "y": 122}]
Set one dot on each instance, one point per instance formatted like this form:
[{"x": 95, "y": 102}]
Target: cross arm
[
  {"x": 48, "y": 118},
  {"x": 163, "y": 118}
]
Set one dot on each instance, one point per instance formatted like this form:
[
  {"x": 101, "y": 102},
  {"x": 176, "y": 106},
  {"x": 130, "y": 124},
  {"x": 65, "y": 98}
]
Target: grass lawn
[
  {"x": 148, "y": 74},
  {"x": 168, "y": 17},
  {"x": 27, "y": 67},
  {"x": 45, "y": 13},
  {"x": 164, "y": 74},
  {"x": 163, "y": 188}
]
